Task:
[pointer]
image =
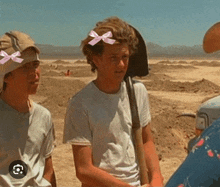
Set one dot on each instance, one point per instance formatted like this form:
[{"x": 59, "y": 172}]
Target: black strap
[{"x": 133, "y": 103}]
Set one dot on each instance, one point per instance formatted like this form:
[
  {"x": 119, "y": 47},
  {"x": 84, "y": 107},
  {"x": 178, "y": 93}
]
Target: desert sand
[{"x": 174, "y": 87}]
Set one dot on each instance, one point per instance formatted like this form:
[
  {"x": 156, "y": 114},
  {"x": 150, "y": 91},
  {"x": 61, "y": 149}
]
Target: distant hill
[
  {"x": 154, "y": 50},
  {"x": 50, "y": 51},
  {"x": 174, "y": 50}
]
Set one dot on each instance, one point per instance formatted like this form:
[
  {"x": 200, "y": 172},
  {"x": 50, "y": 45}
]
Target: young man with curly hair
[{"x": 98, "y": 120}]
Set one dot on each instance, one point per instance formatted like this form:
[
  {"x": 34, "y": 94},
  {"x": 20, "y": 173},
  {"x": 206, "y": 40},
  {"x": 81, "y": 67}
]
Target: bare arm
[
  {"x": 49, "y": 172},
  {"x": 152, "y": 161},
  {"x": 90, "y": 175}
]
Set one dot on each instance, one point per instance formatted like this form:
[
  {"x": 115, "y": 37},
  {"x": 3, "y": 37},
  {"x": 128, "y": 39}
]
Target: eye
[
  {"x": 36, "y": 64},
  {"x": 25, "y": 66},
  {"x": 113, "y": 58},
  {"x": 30, "y": 65},
  {"x": 125, "y": 57}
]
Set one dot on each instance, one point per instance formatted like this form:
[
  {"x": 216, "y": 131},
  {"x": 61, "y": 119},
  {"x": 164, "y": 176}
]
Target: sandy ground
[{"x": 174, "y": 86}]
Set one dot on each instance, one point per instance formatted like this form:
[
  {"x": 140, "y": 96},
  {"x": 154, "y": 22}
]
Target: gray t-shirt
[
  {"x": 28, "y": 137},
  {"x": 103, "y": 121}
]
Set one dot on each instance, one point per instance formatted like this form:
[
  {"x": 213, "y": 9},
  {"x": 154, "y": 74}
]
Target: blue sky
[{"x": 67, "y": 22}]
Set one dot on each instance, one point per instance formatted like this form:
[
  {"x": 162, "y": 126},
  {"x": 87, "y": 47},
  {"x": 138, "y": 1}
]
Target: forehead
[
  {"x": 32, "y": 63},
  {"x": 28, "y": 66},
  {"x": 29, "y": 55},
  {"x": 115, "y": 49}
]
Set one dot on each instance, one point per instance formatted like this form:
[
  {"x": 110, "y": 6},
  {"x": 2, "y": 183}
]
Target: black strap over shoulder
[{"x": 133, "y": 103}]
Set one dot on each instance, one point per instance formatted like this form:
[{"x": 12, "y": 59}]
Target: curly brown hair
[{"x": 122, "y": 32}]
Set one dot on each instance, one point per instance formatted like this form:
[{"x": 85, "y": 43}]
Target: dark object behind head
[{"x": 138, "y": 62}]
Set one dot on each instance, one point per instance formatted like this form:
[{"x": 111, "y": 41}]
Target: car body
[{"x": 207, "y": 113}]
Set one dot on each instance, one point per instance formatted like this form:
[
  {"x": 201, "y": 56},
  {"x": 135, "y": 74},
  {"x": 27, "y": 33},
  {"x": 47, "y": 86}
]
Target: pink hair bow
[
  {"x": 104, "y": 37},
  {"x": 8, "y": 57}
]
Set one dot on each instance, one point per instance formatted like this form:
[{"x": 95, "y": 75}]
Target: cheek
[
  {"x": 20, "y": 80},
  {"x": 126, "y": 63},
  {"x": 34, "y": 73},
  {"x": 38, "y": 70}
]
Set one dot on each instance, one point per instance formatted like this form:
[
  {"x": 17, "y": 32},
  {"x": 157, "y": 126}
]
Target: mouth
[
  {"x": 119, "y": 72},
  {"x": 34, "y": 82}
]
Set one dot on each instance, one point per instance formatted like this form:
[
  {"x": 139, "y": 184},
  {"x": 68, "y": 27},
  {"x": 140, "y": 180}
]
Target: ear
[
  {"x": 8, "y": 77},
  {"x": 96, "y": 60}
]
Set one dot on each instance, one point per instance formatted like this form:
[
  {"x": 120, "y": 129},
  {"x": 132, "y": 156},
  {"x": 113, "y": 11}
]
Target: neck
[
  {"x": 107, "y": 86},
  {"x": 19, "y": 102}
]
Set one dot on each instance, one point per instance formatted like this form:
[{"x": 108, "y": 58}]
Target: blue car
[{"x": 207, "y": 113}]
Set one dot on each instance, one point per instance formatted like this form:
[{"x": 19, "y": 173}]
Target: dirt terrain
[{"x": 174, "y": 86}]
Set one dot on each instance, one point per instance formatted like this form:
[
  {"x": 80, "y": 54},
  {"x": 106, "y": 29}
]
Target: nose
[
  {"x": 122, "y": 63},
  {"x": 35, "y": 71}
]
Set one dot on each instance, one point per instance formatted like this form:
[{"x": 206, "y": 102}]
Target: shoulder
[
  {"x": 41, "y": 109},
  {"x": 141, "y": 92},
  {"x": 41, "y": 112},
  {"x": 2, "y": 105},
  {"x": 41, "y": 119},
  {"x": 84, "y": 95},
  {"x": 139, "y": 86},
  {"x": 138, "y": 83}
]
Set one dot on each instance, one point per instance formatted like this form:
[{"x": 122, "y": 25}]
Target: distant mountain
[
  {"x": 50, "y": 51},
  {"x": 154, "y": 50}
]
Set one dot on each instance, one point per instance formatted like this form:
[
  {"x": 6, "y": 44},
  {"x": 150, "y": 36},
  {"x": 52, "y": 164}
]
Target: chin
[
  {"x": 121, "y": 78},
  {"x": 32, "y": 91}
]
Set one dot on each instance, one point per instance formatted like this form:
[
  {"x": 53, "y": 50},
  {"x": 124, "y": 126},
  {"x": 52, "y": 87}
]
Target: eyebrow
[{"x": 115, "y": 54}]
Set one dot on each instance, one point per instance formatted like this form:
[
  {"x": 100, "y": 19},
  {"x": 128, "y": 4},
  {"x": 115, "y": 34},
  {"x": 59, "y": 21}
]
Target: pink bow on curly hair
[{"x": 104, "y": 37}]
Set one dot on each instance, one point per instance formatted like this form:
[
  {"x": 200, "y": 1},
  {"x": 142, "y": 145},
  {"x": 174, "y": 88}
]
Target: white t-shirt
[
  {"x": 28, "y": 137},
  {"x": 103, "y": 121}
]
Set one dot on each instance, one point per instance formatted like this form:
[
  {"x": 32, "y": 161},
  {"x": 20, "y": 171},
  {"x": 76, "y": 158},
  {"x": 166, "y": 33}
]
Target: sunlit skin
[
  {"x": 111, "y": 67},
  {"x": 21, "y": 83},
  {"x": 25, "y": 79}
]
